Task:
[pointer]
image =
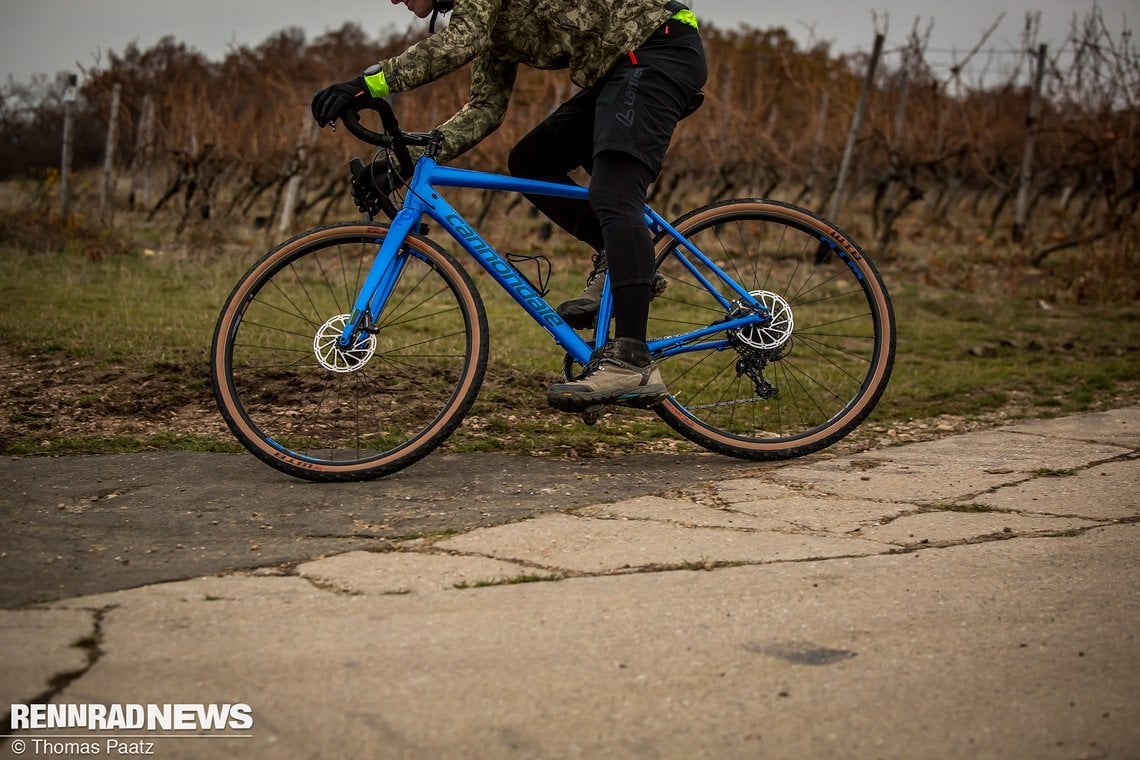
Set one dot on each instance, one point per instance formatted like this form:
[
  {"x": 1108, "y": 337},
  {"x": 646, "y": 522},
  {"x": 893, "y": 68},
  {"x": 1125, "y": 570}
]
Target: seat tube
[{"x": 605, "y": 313}]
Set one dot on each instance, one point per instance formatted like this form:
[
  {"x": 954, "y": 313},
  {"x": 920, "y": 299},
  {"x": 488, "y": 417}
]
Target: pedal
[{"x": 591, "y": 414}]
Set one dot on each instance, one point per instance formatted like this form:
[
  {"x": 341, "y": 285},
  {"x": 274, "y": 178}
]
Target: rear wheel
[
  {"x": 804, "y": 379},
  {"x": 312, "y": 409}
]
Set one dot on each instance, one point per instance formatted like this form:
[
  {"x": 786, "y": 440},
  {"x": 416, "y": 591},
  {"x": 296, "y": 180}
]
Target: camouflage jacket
[{"x": 585, "y": 36}]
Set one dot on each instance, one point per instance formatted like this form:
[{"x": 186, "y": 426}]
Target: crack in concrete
[
  {"x": 1055, "y": 437},
  {"x": 93, "y": 643},
  {"x": 351, "y": 537},
  {"x": 890, "y": 549},
  {"x": 1030, "y": 476},
  {"x": 522, "y": 563},
  {"x": 798, "y": 528},
  {"x": 920, "y": 509},
  {"x": 322, "y": 584},
  {"x": 1003, "y": 536}
]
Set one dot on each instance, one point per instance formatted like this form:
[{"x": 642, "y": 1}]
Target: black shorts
[{"x": 635, "y": 107}]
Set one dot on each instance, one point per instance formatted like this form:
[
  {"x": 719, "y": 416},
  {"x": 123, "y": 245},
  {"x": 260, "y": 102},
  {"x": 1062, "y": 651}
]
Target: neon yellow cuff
[
  {"x": 687, "y": 17},
  {"x": 377, "y": 84}
]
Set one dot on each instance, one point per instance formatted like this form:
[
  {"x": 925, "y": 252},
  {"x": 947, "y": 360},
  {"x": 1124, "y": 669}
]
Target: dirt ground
[
  {"x": 62, "y": 400},
  {"x": 57, "y": 397}
]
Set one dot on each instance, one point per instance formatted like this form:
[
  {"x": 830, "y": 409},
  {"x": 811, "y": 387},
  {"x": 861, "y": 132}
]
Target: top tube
[
  {"x": 446, "y": 176},
  {"x": 431, "y": 174}
]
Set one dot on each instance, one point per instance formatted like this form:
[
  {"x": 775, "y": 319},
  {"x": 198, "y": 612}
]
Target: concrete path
[{"x": 972, "y": 597}]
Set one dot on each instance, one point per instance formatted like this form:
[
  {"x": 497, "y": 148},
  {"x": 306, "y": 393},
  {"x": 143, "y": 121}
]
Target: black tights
[{"x": 613, "y": 220}]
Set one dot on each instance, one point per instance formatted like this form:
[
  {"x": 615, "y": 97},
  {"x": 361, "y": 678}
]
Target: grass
[
  {"x": 120, "y": 444},
  {"x": 131, "y": 331},
  {"x": 514, "y": 580},
  {"x": 967, "y": 354},
  {"x": 967, "y": 507},
  {"x": 144, "y": 310}
]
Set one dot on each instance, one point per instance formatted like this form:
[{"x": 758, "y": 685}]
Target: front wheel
[
  {"x": 303, "y": 404},
  {"x": 800, "y": 381}
]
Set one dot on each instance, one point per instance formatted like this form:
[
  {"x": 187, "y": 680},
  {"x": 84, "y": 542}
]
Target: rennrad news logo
[{"x": 117, "y": 717}]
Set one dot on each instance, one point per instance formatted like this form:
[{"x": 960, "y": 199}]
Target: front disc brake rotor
[{"x": 336, "y": 359}]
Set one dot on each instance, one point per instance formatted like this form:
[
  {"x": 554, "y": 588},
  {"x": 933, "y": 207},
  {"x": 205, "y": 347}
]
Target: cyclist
[{"x": 640, "y": 65}]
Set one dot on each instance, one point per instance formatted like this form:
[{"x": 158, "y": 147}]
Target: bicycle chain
[{"x": 752, "y": 400}]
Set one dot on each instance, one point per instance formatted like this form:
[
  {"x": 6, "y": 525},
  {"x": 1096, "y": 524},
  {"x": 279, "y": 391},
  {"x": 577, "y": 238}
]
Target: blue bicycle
[{"x": 353, "y": 350}]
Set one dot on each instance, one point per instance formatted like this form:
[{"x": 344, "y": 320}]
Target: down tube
[{"x": 510, "y": 280}]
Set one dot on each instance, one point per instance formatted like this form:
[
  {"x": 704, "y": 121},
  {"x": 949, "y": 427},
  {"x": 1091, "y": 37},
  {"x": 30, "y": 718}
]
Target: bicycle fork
[{"x": 378, "y": 286}]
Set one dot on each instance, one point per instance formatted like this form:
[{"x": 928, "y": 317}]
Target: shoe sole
[
  {"x": 647, "y": 397},
  {"x": 580, "y": 313}
]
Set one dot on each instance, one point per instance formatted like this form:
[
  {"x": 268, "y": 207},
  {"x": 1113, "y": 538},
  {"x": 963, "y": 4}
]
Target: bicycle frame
[{"x": 422, "y": 198}]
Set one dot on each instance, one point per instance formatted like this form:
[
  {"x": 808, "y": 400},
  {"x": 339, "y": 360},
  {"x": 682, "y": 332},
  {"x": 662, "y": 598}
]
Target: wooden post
[
  {"x": 820, "y": 133},
  {"x": 69, "y": 96},
  {"x": 144, "y": 153},
  {"x": 900, "y": 111},
  {"x": 726, "y": 98},
  {"x": 856, "y": 125},
  {"x": 106, "y": 197},
  {"x": 292, "y": 189},
  {"x": 1018, "y": 232},
  {"x": 148, "y": 148}
]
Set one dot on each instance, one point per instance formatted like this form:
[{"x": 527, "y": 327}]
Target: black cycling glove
[{"x": 329, "y": 103}]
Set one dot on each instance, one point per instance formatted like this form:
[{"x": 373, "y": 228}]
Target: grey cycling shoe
[
  {"x": 620, "y": 372},
  {"x": 581, "y": 312}
]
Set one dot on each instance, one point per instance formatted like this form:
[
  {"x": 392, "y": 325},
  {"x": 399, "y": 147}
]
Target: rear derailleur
[{"x": 752, "y": 362}]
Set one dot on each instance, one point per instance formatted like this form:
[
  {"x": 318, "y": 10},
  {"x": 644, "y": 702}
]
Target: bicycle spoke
[
  {"x": 292, "y": 388},
  {"x": 775, "y": 386}
]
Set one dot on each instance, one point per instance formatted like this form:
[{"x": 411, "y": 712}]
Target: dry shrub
[{"x": 35, "y": 230}]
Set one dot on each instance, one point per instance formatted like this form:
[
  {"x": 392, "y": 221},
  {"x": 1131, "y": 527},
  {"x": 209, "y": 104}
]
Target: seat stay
[{"x": 657, "y": 222}]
